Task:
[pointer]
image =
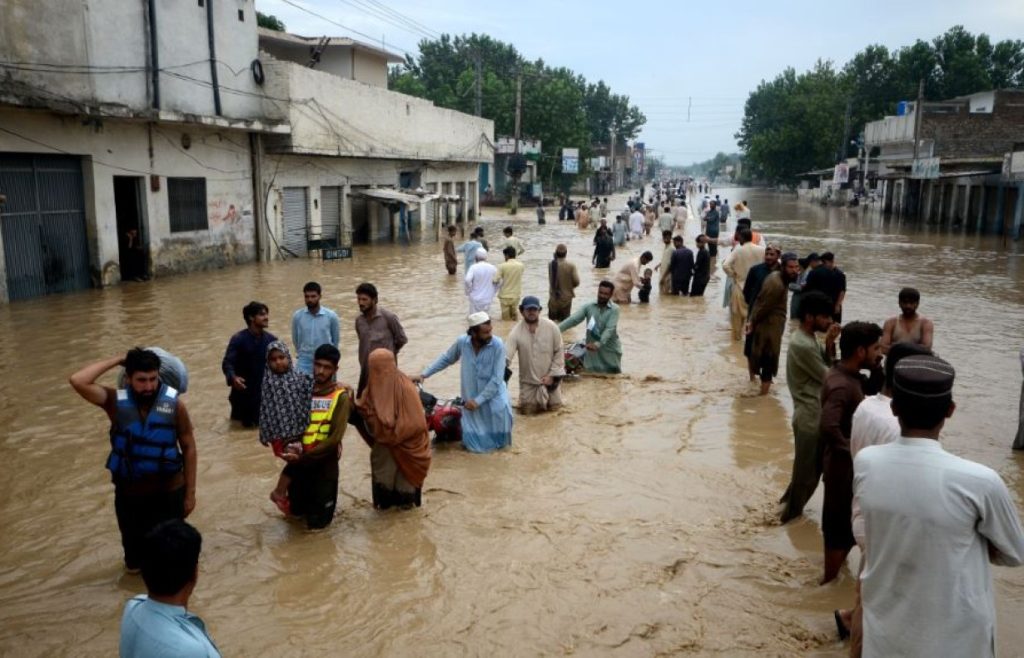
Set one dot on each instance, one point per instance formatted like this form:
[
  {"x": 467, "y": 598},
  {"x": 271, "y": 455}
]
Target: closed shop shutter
[
  {"x": 330, "y": 213},
  {"x": 296, "y": 218}
]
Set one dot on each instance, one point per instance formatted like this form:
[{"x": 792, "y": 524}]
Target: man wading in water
[{"x": 152, "y": 458}]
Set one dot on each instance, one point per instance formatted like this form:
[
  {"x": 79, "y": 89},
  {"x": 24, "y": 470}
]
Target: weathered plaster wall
[{"x": 120, "y": 148}]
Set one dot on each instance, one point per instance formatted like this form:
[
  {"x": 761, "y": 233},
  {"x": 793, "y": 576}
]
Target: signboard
[
  {"x": 570, "y": 165},
  {"x": 538, "y": 191},
  {"x": 336, "y": 253},
  {"x": 925, "y": 168},
  {"x": 638, "y": 158},
  {"x": 570, "y": 153},
  {"x": 841, "y": 175}
]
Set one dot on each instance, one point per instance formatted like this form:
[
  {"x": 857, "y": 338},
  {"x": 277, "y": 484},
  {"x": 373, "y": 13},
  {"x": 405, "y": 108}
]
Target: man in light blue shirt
[
  {"x": 312, "y": 327},
  {"x": 468, "y": 250},
  {"x": 159, "y": 625}
]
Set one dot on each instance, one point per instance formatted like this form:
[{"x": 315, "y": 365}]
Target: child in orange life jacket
[{"x": 284, "y": 411}]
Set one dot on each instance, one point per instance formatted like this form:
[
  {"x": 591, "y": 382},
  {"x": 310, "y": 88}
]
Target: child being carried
[{"x": 284, "y": 412}]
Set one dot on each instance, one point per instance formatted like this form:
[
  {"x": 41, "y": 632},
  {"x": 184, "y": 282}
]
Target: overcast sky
[{"x": 663, "y": 53}]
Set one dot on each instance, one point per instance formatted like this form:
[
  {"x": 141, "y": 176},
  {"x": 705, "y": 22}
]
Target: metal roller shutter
[
  {"x": 330, "y": 213},
  {"x": 296, "y": 217}
]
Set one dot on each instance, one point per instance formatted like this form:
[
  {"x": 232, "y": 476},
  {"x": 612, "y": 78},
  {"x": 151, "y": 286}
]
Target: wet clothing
[
  {"x": 509, "y": 279},
  {"x": 604, "y": 251},
  {"x": 832, "y": 282},
  {"x": 736, "y": 266},
  {"x": 701, "y": 273},
  {"x": 636, "y": 224},
  {"x": 285, "y": 401},
  {"x": 681, "y": 267},
  {"x": 934, "y": 523},
  {"x": 602, "y": 331},
  {"x": 540, "y": 215},
  {"x": 873, "y": 424},
  {"x": 805, "y": 372},
  {"x": 666, "y": 221},
  {"x": 540, "y": 355},
  {"x": 480, "y": 288},
  {"x": 313, "y": 490},
  {"x": 768, "y": 320},
  {"x": 627, "y": 279},
  {"x": 141, "y": 506},
  {"x": 488, "y": 427},
  {"x": 797, "y": 289},
  {"x": 1018, "y": 442},
  {"x": 400, "y": 456},
  {"x": 665, "y": 270},
  {"x": 310, "y": 331},
  {"x": 451, "y": 261},
  {"x": 563, "y": 280},
  {"x": 841, "y": 393},
  {"x": 468, "y": 250},
  {"x": 619, "y": 230},
  {"x": 515, "y": 243},
  {"x": 151, "y": 629},
  {"x": 246, "y": 357},
  {"x": 382, "y": 330},
  {"x": 755, "y": 279}
]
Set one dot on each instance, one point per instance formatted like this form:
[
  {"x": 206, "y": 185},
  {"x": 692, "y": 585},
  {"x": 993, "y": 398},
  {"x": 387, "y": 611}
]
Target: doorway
[{"x": 132, "y": 242}]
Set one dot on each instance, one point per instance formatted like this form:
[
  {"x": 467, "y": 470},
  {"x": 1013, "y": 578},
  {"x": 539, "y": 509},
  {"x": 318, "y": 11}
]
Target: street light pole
[
  {"x": 611, "y": 163},
  {"x": 519, "y": 110}
]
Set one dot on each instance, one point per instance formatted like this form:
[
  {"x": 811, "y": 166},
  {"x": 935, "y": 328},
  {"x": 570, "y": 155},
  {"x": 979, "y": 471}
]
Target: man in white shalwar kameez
[
  {"x": 480, "y": 288},
  {"x": 538, "y": 343},
  {"x": 736, "y": 266},
  {"x": 933, "y": 524}
]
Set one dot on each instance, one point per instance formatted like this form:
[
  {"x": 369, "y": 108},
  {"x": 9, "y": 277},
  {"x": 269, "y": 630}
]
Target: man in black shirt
[{"x": 830, "y": 280}]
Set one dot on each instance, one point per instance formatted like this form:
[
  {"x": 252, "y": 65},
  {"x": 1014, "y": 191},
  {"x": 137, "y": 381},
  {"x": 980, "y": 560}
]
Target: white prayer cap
[
  {"x": 481, "y": 254},
  {"x": 478, "y": 318}
]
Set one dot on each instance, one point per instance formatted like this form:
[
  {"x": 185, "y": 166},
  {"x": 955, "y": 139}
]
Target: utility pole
[
  {"x": 611, "y": 163},
  {"x": 841, "y": 155},
  {"x": 918, "y": 111},
  {"x": 519, "y": 110}
]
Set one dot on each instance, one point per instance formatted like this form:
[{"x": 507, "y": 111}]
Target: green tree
[{"x": 270, "y": 22}]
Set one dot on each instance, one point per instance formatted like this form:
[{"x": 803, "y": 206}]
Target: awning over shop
[{"x": 385, "y": 194}]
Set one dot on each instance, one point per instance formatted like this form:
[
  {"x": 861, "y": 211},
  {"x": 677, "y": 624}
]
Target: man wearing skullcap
[
  {"x": 487, "y": 415},
  {"x": 934, "y": 523},
  {"x": 480, "y": 286}
]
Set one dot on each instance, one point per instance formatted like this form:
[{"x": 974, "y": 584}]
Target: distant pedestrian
[
  {"x": 604, "y": 249},
  {"x": 509, "y": 281},
  {"x": 712, "y": 227},
  {"x": 480, "y": 289},
  {"x": 629, "y": 277},
  {"x": 636, "y": 225},
  {"x": 451, "y": 261},
  {"x": 563, "y": 279},
  {"x": 830, "y": 280},
  {"x": 619, "y": 231},
  {"x": 468, "y": 250},
  {"x": 512, "y": 241},
  {"x": 244, "y": 362},
  {"x": 312, "y": 327},
  {"x": 767, "y": 321},
  {"x": 681, "y": 268},
  {"x": 701, "y": 268},
  {"x": 540, "y": 212},
  {"x": 158, "y": 623},
  {"x": 663, "y": 268}
]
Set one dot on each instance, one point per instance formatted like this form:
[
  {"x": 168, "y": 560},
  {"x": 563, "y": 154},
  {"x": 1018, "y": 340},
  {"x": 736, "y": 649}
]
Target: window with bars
[{"x": 187, "y": 204}]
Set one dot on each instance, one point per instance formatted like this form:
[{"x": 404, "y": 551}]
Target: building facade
[{"x": 146, "y": 138}]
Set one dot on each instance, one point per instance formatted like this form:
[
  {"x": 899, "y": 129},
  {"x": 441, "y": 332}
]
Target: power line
[
  {"x": 392, "y": 18},
  {"x": 404, "y": 17},
  {"x": 344, "y": 27}
]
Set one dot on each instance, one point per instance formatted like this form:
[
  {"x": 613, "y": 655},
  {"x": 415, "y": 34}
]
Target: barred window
[{"x": 187, "y": 201}]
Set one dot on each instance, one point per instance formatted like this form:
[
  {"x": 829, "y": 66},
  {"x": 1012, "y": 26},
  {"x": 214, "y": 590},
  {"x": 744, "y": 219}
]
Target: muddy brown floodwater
[{"x": 635, "y": 522}]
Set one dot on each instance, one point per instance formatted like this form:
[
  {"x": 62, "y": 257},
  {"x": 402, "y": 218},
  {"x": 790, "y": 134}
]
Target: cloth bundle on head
[
  {"x": 393, "y": 412},
  {"x": 478, "y": 318},
  {"x": 923, "y": 377},
  {"x": 285, "y": 400}
]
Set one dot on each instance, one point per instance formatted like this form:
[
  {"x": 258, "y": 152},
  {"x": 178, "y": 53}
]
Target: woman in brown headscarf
[{"x": 400, "y": 452}]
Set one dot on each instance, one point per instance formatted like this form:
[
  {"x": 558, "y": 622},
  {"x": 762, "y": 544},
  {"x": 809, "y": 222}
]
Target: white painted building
[
  {"x": 113, "y": 119},
  {"x": 150, "y": 137},
  {"x": 356, "y": 152}
]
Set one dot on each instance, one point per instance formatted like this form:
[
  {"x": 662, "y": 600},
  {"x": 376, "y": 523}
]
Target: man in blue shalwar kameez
[{"x": 487, "y": 416}]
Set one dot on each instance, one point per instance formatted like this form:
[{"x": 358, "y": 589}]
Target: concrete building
[
  {"x": 963, "y": 173},
  {"x": 153, "y": 137},
  {"x": 360, "y": 162},
  {"x": 125, "y": 116}
]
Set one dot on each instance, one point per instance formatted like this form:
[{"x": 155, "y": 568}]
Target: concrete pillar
[
  {"x": 951, "y": 206},
  {"x": 346, "y": 216},
  {"x": 1000, "y": 200},
  {"x": 1018, "y": 213},
  {"x": 982, "y": 207},
  {"x": 966, "y": 210}
]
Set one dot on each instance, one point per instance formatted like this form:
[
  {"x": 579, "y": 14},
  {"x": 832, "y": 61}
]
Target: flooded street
[{"x": 636, "y": 521}]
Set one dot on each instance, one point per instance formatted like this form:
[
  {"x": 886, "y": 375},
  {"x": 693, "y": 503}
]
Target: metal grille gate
[{"x": 43, "y": 224}]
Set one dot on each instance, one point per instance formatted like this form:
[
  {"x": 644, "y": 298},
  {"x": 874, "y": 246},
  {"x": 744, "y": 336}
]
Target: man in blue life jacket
[{"x": 152, "y": 458}]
